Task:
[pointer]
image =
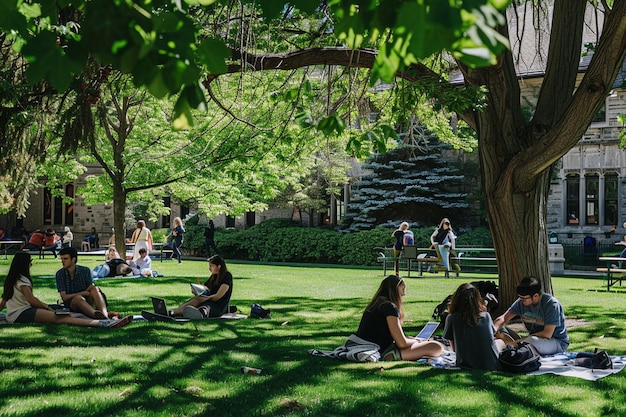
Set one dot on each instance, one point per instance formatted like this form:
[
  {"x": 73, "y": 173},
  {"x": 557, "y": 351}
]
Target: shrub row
[{"x": 284, "y": 240}]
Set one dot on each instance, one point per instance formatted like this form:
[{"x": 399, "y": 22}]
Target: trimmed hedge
[{"x": 284, "y": 240}]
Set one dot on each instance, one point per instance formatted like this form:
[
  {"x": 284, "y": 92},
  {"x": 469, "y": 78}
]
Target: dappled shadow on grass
[{"x": 193, "y": 369}]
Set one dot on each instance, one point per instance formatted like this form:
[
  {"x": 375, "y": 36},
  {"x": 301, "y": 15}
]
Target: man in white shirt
[{"x": 143, "y": 264}]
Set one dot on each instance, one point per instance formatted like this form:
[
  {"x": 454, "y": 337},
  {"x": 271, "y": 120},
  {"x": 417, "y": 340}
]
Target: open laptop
[
  {"x": 160, "y": 312},
  {"x": 427, "y": 331}
]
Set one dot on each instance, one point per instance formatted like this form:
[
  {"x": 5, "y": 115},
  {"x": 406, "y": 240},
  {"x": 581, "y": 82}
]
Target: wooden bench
[
  {"x": 420, "y": 255},
  {"x": 611, "y": 270}
]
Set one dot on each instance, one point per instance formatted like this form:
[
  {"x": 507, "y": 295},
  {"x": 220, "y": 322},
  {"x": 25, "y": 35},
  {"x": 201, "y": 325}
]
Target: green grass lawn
[{"x": 193, "y": 369}]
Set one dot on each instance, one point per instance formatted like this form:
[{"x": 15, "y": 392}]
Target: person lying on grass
[
  {"x": 382, "y": 324},
  {"x": 214, "y": 301},
  {"x": 23, "y": 307}
]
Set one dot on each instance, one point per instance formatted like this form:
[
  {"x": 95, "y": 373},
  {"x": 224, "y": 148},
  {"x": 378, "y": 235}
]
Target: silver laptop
[{"x": 427, "y": 331}]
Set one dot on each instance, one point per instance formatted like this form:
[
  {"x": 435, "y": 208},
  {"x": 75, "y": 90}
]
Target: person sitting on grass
[
  {"x": 542, "y": 315},
  {"x": 381, "y": 324},
  {"x": 470, "y": 330},
  {"x": 23, "y": 307},
  {"x": 75, "y": 286},
  {"x": 143, "y": 265},
  {"x": 215, "y": 302}
]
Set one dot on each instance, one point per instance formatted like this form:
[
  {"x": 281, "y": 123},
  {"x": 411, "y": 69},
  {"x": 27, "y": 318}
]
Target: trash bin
[
  {"x": 553, "y": 237},
  {"x": 590, "y": 251}
]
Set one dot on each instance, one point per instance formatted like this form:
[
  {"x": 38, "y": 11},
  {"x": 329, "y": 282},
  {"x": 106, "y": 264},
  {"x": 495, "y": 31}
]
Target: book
[
  {"x": 62, "y": 312},
  {"x": 199, "y": 289}
]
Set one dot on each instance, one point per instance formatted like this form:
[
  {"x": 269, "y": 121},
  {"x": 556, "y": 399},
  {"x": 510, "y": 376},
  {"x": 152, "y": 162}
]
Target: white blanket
[{"x": 560, "y": 364}]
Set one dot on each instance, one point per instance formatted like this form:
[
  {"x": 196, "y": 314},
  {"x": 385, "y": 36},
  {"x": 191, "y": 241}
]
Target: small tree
[{"x": 407, "y": 184}]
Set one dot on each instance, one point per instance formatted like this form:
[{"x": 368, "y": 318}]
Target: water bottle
[{"x": 251, "y": 371}]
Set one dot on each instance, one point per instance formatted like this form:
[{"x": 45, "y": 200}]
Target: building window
[
  {"x": 230, "y": 221},
  {"x": 592, "y": 183},
  {"x": 55, "y": 211},
  {"x": 610, "y": 199},
  {"x": 573, "y": 186}
]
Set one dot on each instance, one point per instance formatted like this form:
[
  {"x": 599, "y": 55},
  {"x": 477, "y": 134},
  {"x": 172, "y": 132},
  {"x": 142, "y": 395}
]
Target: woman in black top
[
  {"x": 215, "y": 302},
  {"x": 382, "y": 324}
]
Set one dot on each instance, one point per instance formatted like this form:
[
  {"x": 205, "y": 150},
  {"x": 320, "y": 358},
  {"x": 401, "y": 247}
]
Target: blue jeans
[{"x": 445, "y": 256}]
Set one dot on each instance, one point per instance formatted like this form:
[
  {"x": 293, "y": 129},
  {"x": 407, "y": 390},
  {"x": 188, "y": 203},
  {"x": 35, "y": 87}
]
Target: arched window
[{"x": 57, "y": 212}]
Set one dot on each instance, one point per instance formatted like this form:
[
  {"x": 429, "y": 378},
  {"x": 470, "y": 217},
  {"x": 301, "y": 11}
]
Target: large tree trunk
[{"x": 516, "y": 156}]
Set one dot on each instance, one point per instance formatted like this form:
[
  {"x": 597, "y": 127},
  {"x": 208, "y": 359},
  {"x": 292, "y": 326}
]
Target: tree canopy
[{"x": 174, "y": 48}]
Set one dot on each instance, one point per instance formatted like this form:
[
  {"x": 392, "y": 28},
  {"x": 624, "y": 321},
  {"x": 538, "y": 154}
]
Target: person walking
[
  {"x": 209, "y": 239},
  {"x": 177, "y": 233}
]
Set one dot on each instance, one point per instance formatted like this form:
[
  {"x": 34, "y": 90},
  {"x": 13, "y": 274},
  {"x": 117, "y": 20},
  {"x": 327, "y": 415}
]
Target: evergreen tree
[{"x": 409, "y": 183}]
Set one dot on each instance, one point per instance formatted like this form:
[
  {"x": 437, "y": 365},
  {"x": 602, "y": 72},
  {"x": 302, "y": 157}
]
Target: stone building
[
  {"x": 588, "y": 192},
  {"x": 47, "y": 211}
]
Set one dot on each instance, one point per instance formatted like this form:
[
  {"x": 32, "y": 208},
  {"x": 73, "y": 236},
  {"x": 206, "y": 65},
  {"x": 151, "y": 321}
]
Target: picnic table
[
  {"x": 614, "y": 272},
  {"x": 427, "y": 258},
  {"x": 5, "y": 245}
]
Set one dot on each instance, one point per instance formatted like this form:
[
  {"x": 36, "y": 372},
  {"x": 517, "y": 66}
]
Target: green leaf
[
  {"x": 212, "y": 53},
  {"x": 304, "y": 119},
  {"x": 183, "y": 119},
  {"x": 195, "y": 96},
  {"x": 47, "y": 61},
  {"x": 157, "y": 86}
]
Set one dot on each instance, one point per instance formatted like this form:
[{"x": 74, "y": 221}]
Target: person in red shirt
[
  {"x": 35, "y": 241},
  {"x": 52, "y": 242}
]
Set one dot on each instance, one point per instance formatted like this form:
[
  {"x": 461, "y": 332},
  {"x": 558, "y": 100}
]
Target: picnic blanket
[
  {"x": 559, "y": 364},
  {"x": 355, "y": 349}
]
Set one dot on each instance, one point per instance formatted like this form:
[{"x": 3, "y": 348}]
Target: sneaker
[
  {"x": 205, "y": 311},
  {"x": 120, "y": 322},
  {"x": 193, "y": 313}
]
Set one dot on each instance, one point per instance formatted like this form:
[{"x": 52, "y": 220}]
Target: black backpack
[
  {"x": 520, "y": 359},
  {"x": 599, "y": 359},
  {"x": 258, "y": 312},
  {"x": 488, "y": 290},
  {"x": 441, "y": 311}
]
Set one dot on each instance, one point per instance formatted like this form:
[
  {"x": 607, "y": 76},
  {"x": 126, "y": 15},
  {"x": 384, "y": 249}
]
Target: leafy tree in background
[
  {"x": 143, "y": 159},
  {"x": 516, "y": 154}
]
